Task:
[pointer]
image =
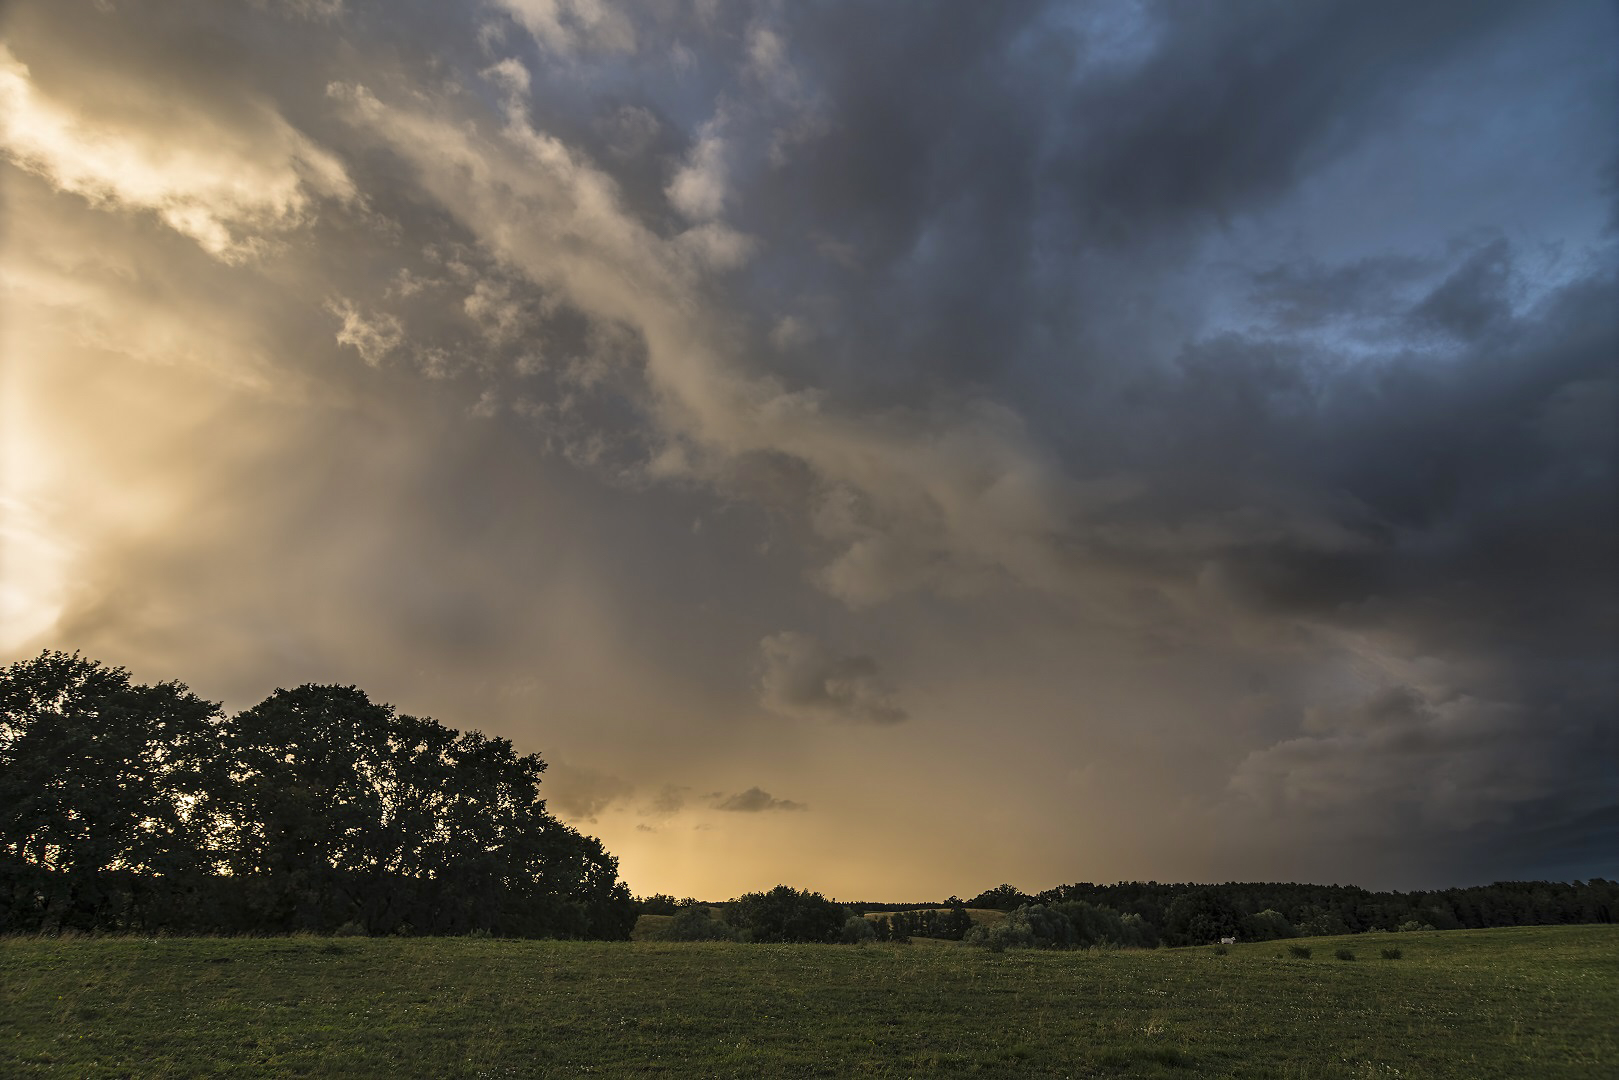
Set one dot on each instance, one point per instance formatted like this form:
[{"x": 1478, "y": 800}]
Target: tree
[
  {"x": 349, "y": 811},
  {"x": 657, "y": 904},
  {"x": 108, "y": 805},
  {"x": 787, "y": 914},
  {"x": 1000, "y": 898}
]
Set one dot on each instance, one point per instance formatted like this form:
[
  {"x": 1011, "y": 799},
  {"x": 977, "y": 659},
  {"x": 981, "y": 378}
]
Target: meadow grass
[{"x": 1533, "y": 1002}]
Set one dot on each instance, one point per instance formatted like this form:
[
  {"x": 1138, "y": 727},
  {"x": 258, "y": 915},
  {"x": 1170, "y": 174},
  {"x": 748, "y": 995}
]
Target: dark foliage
[
  {"x": 949, "y": 924},
  {"x": 1187, "y": 914},
  {"x": 787, "y": 914},
  {"x": 134, "y": 808},
  {"x": 698, "y": 923},
  {"x": 657, "y": 904},
  {"x": 1000, "y": 898}
]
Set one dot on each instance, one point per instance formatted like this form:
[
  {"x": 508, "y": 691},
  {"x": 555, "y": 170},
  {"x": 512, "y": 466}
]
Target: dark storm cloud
[
  {"x": 981, "y": 161},
  {"x": 1236, "y": 103},
  {"x": 1253, "y": 337}
]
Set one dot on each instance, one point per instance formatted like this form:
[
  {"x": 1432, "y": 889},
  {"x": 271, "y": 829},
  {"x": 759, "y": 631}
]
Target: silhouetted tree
[
  {"x": 138, "y": 807},
  {"x": 1000, "y": 898},
  {"x": 657, "y": 904},
  {"x": 787, "y": 914},
  {"x": 108, "y": 793}
]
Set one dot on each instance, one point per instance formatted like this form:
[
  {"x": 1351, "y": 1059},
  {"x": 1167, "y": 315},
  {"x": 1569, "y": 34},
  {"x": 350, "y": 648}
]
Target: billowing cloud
[
  {"x": 1221, "y": 401},
  {"x": 232, "y": 189},
  {"x": 802, "y": 679},
  {"x": 700, "y": 186},
  {"x": 372, "y": 336}
]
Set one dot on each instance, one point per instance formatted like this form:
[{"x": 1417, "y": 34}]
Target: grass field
[{"x": 1533, "y": 1002}]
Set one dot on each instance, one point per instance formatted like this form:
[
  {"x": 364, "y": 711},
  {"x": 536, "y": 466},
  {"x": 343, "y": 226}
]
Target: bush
[
  {"x": 1094, "y": 925},
  {"x": 697, "y": 924},
  {"x": 1033, "y": 926},
  {"x": 1391, "y": 954},
  {"x": 1344, "y": 954},
  {"x": 787, "y": 914},
  {"x": 349, "y": 929},
  {"x": 1267, "y": 925},
  {"x": 858, "y": 930},
  {"x": 1300, "y": 951}
]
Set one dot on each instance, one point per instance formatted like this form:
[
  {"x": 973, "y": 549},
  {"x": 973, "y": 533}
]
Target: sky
[{"x": 887, "y": 449}]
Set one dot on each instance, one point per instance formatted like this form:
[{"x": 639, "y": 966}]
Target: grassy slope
[{"x": 1527, "y": 1002}]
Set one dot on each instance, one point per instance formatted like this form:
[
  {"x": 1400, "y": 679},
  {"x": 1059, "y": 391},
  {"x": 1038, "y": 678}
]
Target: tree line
[
  {"x": 1132, "y": 914},
  {"x": 1190, "y": 914},
  {"x": 786, "y": 914},
  {"x": 134, "y": 808}
]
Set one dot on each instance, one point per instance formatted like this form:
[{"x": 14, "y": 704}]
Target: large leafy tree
[
  {"x": 125, "y": 806},
  {"x": 107, "y": 792},
  {"x": 349, "y": 811}
]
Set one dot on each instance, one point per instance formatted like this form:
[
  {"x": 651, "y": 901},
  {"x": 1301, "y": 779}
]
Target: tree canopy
[{"x": 130, "y": 807}]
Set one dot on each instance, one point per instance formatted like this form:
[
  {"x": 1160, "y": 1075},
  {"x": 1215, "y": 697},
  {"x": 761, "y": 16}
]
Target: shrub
[
  {"x": 858, "y": 930},
  {"x": 1391, "y": 954},
  {"x": 1093, "y": 925},
  {"x": 1344, "y": 954},
  {"x": 697, "y": 924},
  {"x": 1267, "y": 925},
  {"x": 1033, "y": 926},
  {"x": 787, "y": 914},
  {"x": 349, "y": 929},
  {"x": 1300, "y": 951}
]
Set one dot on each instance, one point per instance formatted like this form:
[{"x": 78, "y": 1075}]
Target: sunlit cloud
[{"x": 231, "y": 191}]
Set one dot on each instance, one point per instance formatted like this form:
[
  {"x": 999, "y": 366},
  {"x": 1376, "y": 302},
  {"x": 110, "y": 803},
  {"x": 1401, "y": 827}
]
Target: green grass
[{"x": 1536, "y": 1002}]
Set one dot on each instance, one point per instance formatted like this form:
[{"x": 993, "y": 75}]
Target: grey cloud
[
  {"x": 802, "y": 679},
  {"x": 1473, "y": 298},
  {"x": 755, "y": 801},
  {"x": 1235, "y": 105},
  {"x": 1403, "y": 756},
  {"x": 1302, "y": 296}
]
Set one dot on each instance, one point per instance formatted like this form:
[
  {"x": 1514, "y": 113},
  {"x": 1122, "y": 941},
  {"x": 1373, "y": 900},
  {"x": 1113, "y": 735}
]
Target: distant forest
[
  {"x": 1188, "y": 914},
  {"x": 127, "y": 808},
  {"x": 144, "y": 809},
  {"x": 1135, "y": 914}
]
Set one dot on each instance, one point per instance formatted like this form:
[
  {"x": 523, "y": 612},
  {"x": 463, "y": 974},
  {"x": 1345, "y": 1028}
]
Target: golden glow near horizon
[{"x": 883, "y": 469}]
